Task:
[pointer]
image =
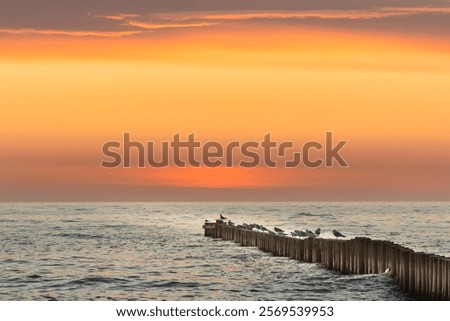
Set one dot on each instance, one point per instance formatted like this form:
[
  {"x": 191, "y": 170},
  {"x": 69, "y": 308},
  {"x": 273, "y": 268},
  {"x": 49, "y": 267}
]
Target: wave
[
  {"x": 91, "y": 280},
  {"x": 80, "y": 236},
  {"x": 171, "y": 284}
]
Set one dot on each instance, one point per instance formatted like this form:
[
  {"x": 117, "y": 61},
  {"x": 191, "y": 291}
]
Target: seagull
[
  {"x": 206, "y": 221},
  {"x": 338, "y": 234},
  {"x": 222, "y": 217},
  {"x": 318, "y": 231},
  {"x": 300, "y": 233},
  {"x": 310, "y": 234},
  {"x": 278, "y": 230},
  {"x": 230, "y": 223}
]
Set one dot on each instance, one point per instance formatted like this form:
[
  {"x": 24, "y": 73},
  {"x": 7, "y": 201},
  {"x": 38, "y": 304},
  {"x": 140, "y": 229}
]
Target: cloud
[
  {"x": 151, "y": 26},
  {"x": 118, "y": 17},
  {"x": 47, "y": 32},
  {"x": 320, "y": 14},
  {"x": 414, "y": 20}
]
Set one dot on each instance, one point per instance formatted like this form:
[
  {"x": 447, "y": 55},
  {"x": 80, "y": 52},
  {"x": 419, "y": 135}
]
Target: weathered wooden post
[
  {"x": 345, "y": 257},
  {"x": 411, "y": 274},
  {"x": 292, "y": 245},
  {"x": 352, "y": 255},
  {"x": 331, "y": 255},
  {"x": 209, "y": 228},
  {"x": 371, "y": 257},
  {"x": 381, "y": 254},
  {"x": 336, "y": 255},
  {"x": 446, "y": 280},
  {"x": 308, "y": 250},
  {"x": 301, "y": 250},
  {"x": 447, "y": 267},
  {"x": 359, "y": 255},
  {"x": 439, "y": 277},
  {"x": 285, "y": 252},
  {"x": 315, "y": 250},
  {"x": 405, "y": 268}
]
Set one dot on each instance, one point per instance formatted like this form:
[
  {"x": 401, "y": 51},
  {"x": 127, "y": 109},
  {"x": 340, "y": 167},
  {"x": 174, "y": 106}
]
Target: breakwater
[{"x": 423, "y": 276}]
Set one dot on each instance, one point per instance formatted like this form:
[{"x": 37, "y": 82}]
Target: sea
[{"x": 157, "y": 251}]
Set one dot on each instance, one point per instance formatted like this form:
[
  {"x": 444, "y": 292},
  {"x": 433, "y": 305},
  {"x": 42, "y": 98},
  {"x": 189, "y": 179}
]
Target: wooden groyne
[{"x": 422, "y": 276}]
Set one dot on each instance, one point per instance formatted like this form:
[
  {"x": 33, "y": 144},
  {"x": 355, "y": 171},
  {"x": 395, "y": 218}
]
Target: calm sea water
[{"x": 157, "y": 251}]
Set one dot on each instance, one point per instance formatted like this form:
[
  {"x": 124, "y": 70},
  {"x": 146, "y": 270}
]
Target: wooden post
[
  {"x": 447, "y": 277},
  {"x": 373, "y": 256},
  {"x": 330, "y": 258},
  {"x": 447, "y": 267},
  {"x": 434, "y": 272},
  {"x": 308, "y": 250},
  {"x": 330, "y": 254},
  {"x": 301, "y": 250},
  {"x": 359, "y": 255},
  {"x": 405, "y": 269},
  {"x": 372, "y": 261},
  {"x": 209, "y": 228},
  {"x": 339, "y": 254},
  {"x": 395, "y": 249},
  {"x": 352, "y": 257},
  {"x": 439, "y": 277},
  {"x": 427, "y": 276},
  {"x": 285, "y": 246},
  {"x": 418, "y": 277},
  {"x": 336, "y": 255},
  {"x": 381, "y": 254},
  {"x": 346, "y": 255},
  {"x": 315, "y": 250},
  {"x": 412, "y": 274},
  {"x": 324, "y": 252},
  {"x": 366, "y": 242},
  {"x": 278, "y": 240},
  {"x": 292, "y": 245}
]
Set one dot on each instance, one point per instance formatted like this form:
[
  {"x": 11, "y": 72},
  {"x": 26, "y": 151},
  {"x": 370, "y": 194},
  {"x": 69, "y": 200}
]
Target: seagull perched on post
[
  {"x": 318, "y": 231},
  {"x": 222, "y": 217},
  {"x": 310, "y": 234},
  {"x": 278, "y": 230},
  {"x": 338, "y": 234}
]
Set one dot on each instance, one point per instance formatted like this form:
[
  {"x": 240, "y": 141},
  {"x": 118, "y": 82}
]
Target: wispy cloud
[
  {"x": 50, "y": 32},
  {"x": 118, "y": 17},
  {"x": 207, "y": 18},
  {"x": 379, "y": 13},
  {"x": 151, "y": 26}
]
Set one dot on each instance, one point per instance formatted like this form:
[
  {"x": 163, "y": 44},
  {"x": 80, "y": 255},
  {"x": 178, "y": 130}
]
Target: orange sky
[{"x": 63, "y": 96}]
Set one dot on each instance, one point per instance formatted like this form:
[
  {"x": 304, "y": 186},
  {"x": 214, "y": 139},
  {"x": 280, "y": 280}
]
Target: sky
[{"x": 76, "y": 74}]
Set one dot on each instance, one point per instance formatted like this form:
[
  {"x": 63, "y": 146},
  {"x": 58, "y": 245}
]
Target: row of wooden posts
[{"x": 422, "y": 276}]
